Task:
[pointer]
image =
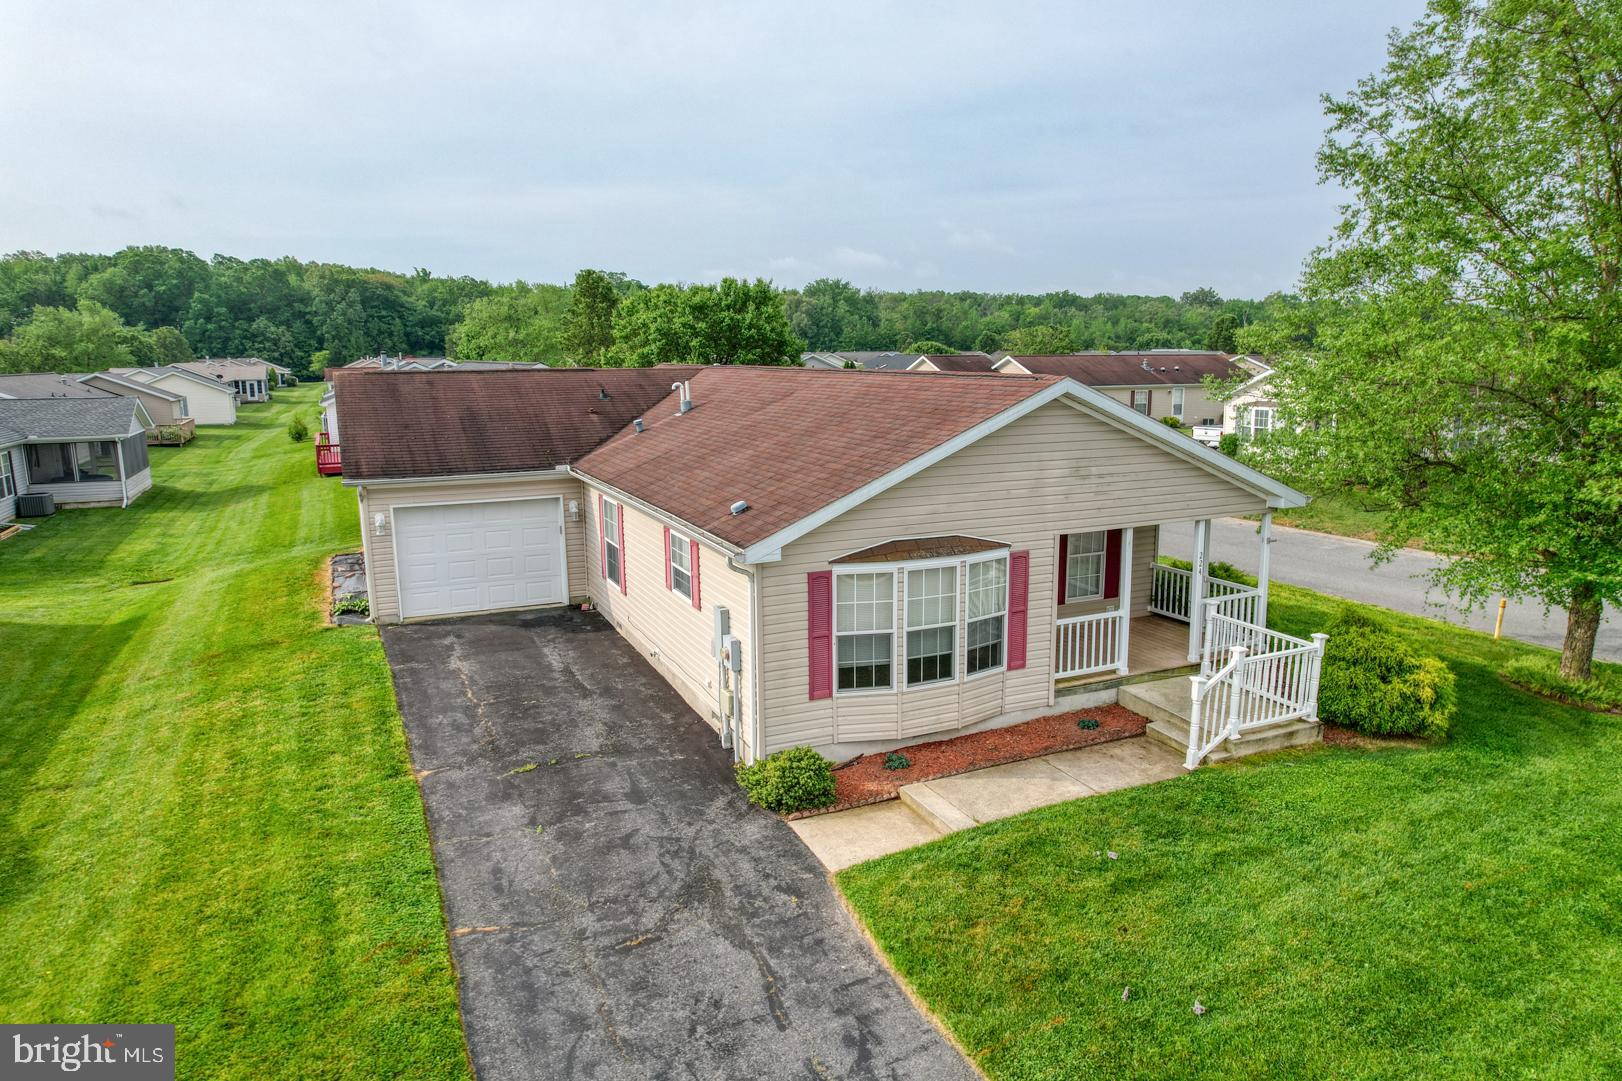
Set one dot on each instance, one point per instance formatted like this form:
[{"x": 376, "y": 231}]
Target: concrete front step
[
  {"x": 1168, "y": 702},
  {"x": 936, "y": 810}
]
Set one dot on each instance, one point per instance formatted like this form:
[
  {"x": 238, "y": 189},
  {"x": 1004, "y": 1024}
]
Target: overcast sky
[{"x": 995, "y": 145}]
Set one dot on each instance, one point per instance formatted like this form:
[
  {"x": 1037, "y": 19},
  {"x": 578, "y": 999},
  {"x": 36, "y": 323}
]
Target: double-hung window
[
  {"x": 1177, "y": 401},
  {"x": 681, "y": 570},
  {"x": 987, "y": 614},
  {"x": 864, "y": 627},
  {"x": 612, "y": 555},
  {"x": 1140, "y": 401},
  {"x": 1084, "y": 566},
  {"x": 931, "y": 624},
  {"x": 1261, "y": 420},
  {"x": 8, "y": 483}
]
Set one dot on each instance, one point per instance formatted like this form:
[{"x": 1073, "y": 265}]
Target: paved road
[
  {"x": 1341, "y": 567},
  {"x": 618, "y": 910}
]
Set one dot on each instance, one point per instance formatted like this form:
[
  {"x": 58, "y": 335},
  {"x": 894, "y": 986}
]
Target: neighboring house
[
  {"x": 84, "y": 451},
  {"x": 1252, "y": 409},
  {"x": 848, "y": 561},
  {"x": 282, "y": 373},
  {"x": 955, "y": 362},
  {"x": 329, "y": 413},
  {"x": 492, "y": 365},
  {"x": 208, "y": 401},
  {"x": 402, "y": 363},
  {"x": 250, "y": 377},
  {"x": 47, "y": 385},
  {"x": 881, "y": 360},
  {"x": 1158, "y": 384},
  {"x": 166, "y": 408}
]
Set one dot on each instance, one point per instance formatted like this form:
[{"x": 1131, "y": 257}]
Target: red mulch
[{"x": 865, "y": 780}]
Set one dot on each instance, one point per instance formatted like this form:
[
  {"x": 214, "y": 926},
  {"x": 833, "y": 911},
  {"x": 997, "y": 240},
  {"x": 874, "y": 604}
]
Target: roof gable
[{"x": 1129, "y": 369}]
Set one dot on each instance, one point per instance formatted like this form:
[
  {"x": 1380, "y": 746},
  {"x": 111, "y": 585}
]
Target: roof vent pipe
[
  {"x": 637, "y": 424},
  {"x": 739, "y": 507},
  {"x": 684, "y": 391},
  {"x": 602, "y": 394}
]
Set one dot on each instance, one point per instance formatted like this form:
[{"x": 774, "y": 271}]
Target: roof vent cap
[
  {"x": 602, "y": 394},
  {"x": 637, "y": 424},
  {"x": 684, "y": 392},
  {"x": 739, "y": 507}
]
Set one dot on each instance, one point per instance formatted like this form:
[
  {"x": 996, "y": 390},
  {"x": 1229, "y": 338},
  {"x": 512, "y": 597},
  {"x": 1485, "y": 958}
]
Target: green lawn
[
  {"x": 1347, "y": 514},
  {"x": 207, "y": 810},
  {"x": 1443, "y": 912}
]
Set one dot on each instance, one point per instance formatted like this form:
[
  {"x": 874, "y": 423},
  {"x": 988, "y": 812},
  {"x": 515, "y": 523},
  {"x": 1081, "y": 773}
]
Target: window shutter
[
  {"x": 820, "y": 631},
  {"x": 1112, "y": 563},
  {"x": 625, "y": 557},
  {"x": 692, "y": 561},
  {"x": 667, "y": 557},
  {"x": 602, "y": 538},
  {"x": 1019, "y": 594},
  {"x": 1064, "y": 565}
]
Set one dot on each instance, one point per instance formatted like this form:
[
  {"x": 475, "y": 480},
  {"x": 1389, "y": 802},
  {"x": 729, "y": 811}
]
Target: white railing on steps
[{"x": 1250, "y": 677}]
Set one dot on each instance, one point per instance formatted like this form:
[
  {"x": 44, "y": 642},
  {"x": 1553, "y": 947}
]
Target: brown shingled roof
[
  {"x": 960, "y": 362},
  {"x": 1127, "y": 369},
  {"x": 442, "y": 423},
  {"x": 790, "y": 441}
]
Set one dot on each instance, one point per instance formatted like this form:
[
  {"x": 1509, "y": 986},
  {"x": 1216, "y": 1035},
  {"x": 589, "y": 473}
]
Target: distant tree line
[{"x": 153, "y": 305}]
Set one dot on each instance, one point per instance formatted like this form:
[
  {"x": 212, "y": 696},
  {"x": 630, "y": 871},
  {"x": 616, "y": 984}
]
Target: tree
[
  {"x": 84, "y": 339},
  {"x": 1221, "y": 338},
  {"x": 1039, "y": 341},
  {"x": 832, "y": 314},
  {"x": 275, "y": 344},
  {"x": 939, "y": 349},
  {"x": 1203, "y": 297},
  {"x": 170, "y": 346},
  {"x": 1465, "y": 317},
  {"x": 518, "y": 322},
  {"x": 588, "y": 326},
  {"x": 732, "y": 322}
]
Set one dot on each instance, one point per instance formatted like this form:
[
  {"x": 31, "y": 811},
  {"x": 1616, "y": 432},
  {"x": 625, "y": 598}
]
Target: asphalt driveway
[{"x": 619, "y": 910}]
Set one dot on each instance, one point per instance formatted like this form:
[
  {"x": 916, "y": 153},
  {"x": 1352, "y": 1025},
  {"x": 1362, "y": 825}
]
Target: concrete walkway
[{"x": 931, "y": 809}]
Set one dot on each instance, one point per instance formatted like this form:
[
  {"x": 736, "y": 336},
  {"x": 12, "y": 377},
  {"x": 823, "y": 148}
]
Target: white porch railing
[
  {"x": 1086, "y": 644},
  {"x": 1250, "y": 677},
  {"x": 1169, "y": 588}
]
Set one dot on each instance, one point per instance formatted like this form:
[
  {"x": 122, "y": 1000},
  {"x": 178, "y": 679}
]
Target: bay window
[
  {"x": 1084, "y": 566},
  {"x": 931, "y": 624},
  {"x": 987, "y": 615},
  {"x": 864, "y": 628}
]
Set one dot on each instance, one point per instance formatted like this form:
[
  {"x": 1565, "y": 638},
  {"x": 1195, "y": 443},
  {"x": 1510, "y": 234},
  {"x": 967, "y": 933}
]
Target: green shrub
[
  {"x": 1172, "y": 422},
  {"x": 1215, "y": 568},
  {"x": 1228, "y": 443},
  {"x": 353, "y": 603},
  {"x": 790, "y": 780},
  {"x": 896, "y": 760},
  {"x": 1541, "y": 675},
  {"x": 297, "y": 431},
  {"x": 1374, "y": 682},
  {"x": 1087, "y": 724}
]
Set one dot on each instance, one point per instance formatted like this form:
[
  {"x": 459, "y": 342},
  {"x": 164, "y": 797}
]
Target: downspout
[{"x": 757, "y": 711}]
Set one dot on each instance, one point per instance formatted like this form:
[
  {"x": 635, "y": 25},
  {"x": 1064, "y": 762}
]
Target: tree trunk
[{"x": 1583, "y": 614}]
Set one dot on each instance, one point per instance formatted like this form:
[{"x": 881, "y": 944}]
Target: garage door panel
[{"x": 480, "y": 556}]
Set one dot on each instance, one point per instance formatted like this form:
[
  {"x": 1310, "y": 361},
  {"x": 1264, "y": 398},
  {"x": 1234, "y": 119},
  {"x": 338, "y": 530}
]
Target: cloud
[{"x": 855, "y": 257}]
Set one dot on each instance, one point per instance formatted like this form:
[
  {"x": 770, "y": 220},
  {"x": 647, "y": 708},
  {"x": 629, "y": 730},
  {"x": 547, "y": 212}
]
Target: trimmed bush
[
  {"x": 1541, "y": 675},
  {"x": 1228, "y": 443},
  {"x": 1216, "y": 568},
  {"x": 794, "y": 779},
  {"x": 1374, "y": 682},
  {"x": 895, "y": 760},
  {"x": 296, "y": 429}
]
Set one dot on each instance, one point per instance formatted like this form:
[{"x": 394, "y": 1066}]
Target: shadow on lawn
[{"x": 53, "y": 670}]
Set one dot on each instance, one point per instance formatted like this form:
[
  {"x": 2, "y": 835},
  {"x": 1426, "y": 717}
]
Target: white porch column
[
  {"x": 1196, "y": 587},
  {"x": 1123, "y": 663},
  {"x": 1266, "y": 534}
]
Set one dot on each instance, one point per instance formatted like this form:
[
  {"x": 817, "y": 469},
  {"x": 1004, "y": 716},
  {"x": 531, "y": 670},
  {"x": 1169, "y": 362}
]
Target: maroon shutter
[
  {"x": 1064, "y": 565},
  {"x": 1019, "y": 593},
  {"x": 667, "y": 557},
  {"x": 1112, "y": 563},
  {"x": 692, "y": 566},
  {"x": 602, "y": 538},
  {"x": 820, "y": 631},
  {"x": 625, "y": 558}
]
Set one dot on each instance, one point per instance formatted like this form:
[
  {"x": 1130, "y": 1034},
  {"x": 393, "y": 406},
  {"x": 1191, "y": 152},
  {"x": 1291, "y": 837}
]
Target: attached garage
[{"x": 455, "y": 558}]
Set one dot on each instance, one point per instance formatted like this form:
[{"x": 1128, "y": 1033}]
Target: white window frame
[
  {"x": 1144, "y": 408},
  {"x": 887, "y": 632},
  {"x": 1001, "y": 614},
  {"x": 1177, "y": 402},
  {"x": 1250, "y": 419},
  {"x": 8, "y": 479},
  {"x": 950, "y": 625},
  {"x": 611, "y": 542},
  {"x": 683, "y": 569},
  {"x": 1071, "y": 556}
]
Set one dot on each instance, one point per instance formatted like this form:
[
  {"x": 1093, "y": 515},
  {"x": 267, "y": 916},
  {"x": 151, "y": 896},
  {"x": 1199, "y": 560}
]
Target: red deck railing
[{"x": 328, "y": 460}]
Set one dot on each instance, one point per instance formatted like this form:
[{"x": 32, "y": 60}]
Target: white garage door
[{"x": 475, "y": 557}]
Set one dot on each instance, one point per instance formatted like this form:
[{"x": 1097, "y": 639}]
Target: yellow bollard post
[{"x": 1498, "y": 627}]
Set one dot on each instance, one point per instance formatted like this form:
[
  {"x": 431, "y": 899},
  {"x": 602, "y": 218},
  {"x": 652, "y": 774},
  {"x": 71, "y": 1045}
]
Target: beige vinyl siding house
[
  {"x": 1057, "y": 470},
  {"x": 674, "y": 634},
  {"x": 208, "y": 401},
  {"x": 12, "y": 478},
  {"x": 163, "y": 406}
]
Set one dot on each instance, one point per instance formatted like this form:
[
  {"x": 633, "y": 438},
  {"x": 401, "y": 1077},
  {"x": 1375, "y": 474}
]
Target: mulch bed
[{"x": 864, "y": 780}]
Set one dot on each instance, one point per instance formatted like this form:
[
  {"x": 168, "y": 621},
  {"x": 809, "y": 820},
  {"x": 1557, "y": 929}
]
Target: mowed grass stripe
[{"x": 209, "y": 810}]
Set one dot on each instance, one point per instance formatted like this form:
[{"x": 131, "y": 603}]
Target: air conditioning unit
[{"x": 36, "y": 505}]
